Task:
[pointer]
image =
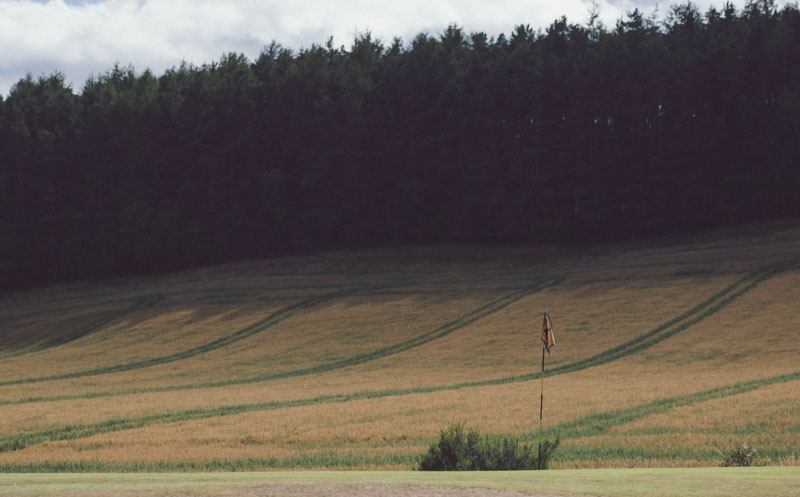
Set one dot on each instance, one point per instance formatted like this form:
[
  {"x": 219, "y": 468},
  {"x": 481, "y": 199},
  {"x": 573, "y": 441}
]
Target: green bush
[
  {"x": 743, "y": 456},
  {"x": 459, "y": 449}
]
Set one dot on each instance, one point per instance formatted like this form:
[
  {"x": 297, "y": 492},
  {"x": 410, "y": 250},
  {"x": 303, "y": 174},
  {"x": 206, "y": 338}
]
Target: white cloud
[
  {"x": 85, "y": 38},
  {"x": 80, "y": 38}
]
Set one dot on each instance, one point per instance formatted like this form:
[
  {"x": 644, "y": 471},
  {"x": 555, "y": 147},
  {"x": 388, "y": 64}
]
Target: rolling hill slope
[{"x": 666, "y": 356}]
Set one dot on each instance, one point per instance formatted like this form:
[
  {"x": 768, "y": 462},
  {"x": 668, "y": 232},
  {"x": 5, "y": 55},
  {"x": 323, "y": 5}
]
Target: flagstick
[{"x": 541, "y": 409}]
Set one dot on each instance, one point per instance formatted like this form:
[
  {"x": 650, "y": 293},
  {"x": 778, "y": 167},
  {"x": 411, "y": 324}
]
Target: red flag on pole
[{"x": 547, "y": 333}]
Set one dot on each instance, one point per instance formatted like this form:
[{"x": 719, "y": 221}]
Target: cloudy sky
[{"x": 83, "y": 37}]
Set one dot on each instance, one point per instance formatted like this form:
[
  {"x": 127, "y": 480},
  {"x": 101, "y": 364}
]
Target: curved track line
[
  {"x": 261, "y": 325},
  {"x": 586, "y": 426},
  {"x": 106, "y": 317},
  {"x": 644, "y": 341},
  {"x": 442, "y": 331},
  {"x": 628, "y": 348},
  {"x": 582, "y": 427},
  {"x": 599, "y": 423},
  {"x": 682, "y": 322},
  {"x": 69, "y": 432}
]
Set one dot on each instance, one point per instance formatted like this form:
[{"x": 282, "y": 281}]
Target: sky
[{"x": 83, "y": 37}]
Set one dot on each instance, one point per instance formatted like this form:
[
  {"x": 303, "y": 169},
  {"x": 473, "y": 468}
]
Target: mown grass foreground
[
  {"x": 681, "y": 482},
  {"x": 667, "y": 356}
]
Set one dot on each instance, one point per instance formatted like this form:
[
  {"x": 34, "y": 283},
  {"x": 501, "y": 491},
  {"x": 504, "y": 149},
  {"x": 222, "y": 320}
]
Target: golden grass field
[{"x": 667, "y": 354}]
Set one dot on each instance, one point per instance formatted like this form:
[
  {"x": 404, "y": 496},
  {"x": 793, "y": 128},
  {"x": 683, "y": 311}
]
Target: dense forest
[{"x": 660, "y": 124}]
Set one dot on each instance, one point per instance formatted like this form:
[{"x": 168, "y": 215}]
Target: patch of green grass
[
  {"x": 310, "y": 460},
  {"x": 669, "y": 482},
  {"x": 628, "y": 453},
  {"x": 622, "y": 452}
]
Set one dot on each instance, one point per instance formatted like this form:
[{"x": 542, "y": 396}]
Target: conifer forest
[{"x": 665, "y": 123}]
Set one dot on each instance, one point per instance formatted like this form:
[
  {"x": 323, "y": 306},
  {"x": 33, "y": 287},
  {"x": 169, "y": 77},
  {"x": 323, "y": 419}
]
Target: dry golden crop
[{"x": 664, "y": 356}]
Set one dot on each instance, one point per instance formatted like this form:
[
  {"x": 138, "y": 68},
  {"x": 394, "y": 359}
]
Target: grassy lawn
[{"x": 684, "y": 482}]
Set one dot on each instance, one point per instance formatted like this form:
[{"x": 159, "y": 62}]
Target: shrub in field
[
  {"x": 744, "y": 455},
  {"x": 460, "y": 449}
]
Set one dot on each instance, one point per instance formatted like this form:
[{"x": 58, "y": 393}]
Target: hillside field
[{"x": 668, "y": 355}]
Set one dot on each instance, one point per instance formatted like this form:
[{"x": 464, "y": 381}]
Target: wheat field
[{"x": 667, "y": 355}]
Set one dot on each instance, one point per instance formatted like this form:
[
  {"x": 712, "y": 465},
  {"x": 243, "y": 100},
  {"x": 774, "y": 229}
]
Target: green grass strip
[
  {"x": 611, "y": 452},
  {"x": 621, "y": 452},
  {"x": 350, "y": 459},
  {"x": 303, "y": 461},
  {"x": 439, "y": 332}
]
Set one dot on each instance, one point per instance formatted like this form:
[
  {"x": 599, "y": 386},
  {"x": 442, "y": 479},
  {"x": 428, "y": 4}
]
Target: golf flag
[{"x": 547, "y": 333}]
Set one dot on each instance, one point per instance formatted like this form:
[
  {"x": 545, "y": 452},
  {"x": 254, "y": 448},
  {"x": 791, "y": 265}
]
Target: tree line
[{"x": 572, "y": 132}]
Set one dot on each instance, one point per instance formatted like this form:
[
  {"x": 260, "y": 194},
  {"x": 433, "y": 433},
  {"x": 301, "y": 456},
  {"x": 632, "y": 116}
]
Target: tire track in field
[
  {"x": 105, "y": 318},
  {"x": 598, "y": 423},
  {"x": 256, "y": 327},
  {"x": 587, "y": 425},
  {"x": 439, "y": 332},
  {"x": 701, "y": 311},
  {"x": 710, "y": 306}
]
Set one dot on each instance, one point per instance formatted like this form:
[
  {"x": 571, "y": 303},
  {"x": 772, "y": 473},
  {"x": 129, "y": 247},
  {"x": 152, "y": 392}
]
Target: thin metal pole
[{"x": 541, "y": 410}]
